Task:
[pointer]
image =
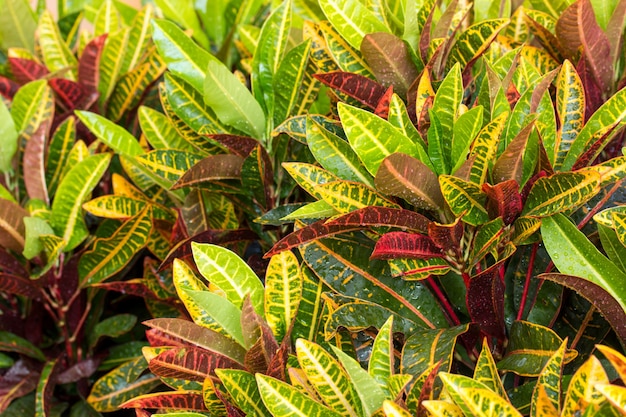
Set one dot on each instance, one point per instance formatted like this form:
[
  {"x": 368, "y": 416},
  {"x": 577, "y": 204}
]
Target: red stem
[
  {"x": 529, "y": 274},
  {"x": 443, "y": 300}
]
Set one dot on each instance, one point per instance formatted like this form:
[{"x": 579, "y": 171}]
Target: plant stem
[
  {"x": 600, "y": 204},
  {"x": 443, "y": 300},
  {"x": 529, "y": 274},
  {"x": 583, "y": 326}
]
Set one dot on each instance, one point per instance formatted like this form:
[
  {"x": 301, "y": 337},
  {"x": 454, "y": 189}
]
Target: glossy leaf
[
  {"x": 9, "y": 138},
  {"x": 110, "y": 63},
  {"x": 290, "y": 77},
  {"x": 173, "y": 400},
  {"x": 405, "y": 245},
  {"x": 484, "y": 149},
  {"x": 89, "y": 63},
  {"x": 352, "y": 20},
  {"x": 485, "y": 301},
  {"x": 211, "y": 168},
  {"x": 168, "y": 165},
  {"x": 348, "y": 58},
  {"x": 464, "y": 197},
  {"x": 381, "y": 361},
  {"x": 446, "y": 105},
  {"x": 32, "y": 105},
  {"x": 123, "y": 207},
  {"x": 366, "y": 91},
  {"x": 346, "y": 196},
  {"x": 113, "y": 326},
  {"x": 56, "y": 54},
  {"x": 442, "y": 408},
  {"x": 547, "y": 393},
  {"x": 189, "y": 363},
  {"x": 475, "y": 40},
  {"x": 427, "y": 347},
  {"x": 570, "y": 105},
  {"x": 486, "y": 371},
  {"x": 582, "y": 391},
  {"x": 383, "y": 216},
  {"x": 19, "y": 24},
  {"x": 242, "y": 387},
  {"x": 10, "y": 342},
  {"x": 283, "y": 290},
  {"x": 67, "y": 215},
  {"x": 114, "y": 136},
  {"x": 139, "y": 39}
]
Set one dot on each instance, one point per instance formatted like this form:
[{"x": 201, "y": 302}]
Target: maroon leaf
[
  {"x": 278, "y": 363},
  {"x": 261, "y": 353},
  {"x": 27, "y": 70},
  {"x": 593, "y": 92},
  {"x": 34, "y": 160},
  {"x": 383, "y": 216},
  {"x": 175, "y": 400},
  {"x": 314, "y": 231},
  {"x": 231, "y": 410},
  {"x": 485, "y": 301},
  {"x": 359, "y": 87},
  {"x": 69, "y": 93},
  {"x": 8, "y": 88},
  {"x": 189, "y": 363},
  {"x": 218, "y": 237},
  {"x": 136, "y": 287},
  {"x": 12, "y": 230},
  {"x": 89, "y": 63},
  {"x": 577, "y": 27},
  {"x": 382, "y": 108},
  {"x": 83, "y": 369},
  {"x": 447, "y": 236},
  {"x": 389, "y": 58},
  {"x": 394, "y": 245},
  {"x": 13, "y": 284},
  {"x": 18, "y": 381},
  {"x": 239, "y": 145},
  {"x": 427, "y": 390},
  {"x": 211, "y": 168},
  {"x": 594, "y": 150},
  {"x": 11, "y": 265},
  {"x": 503, "y": 200},
  {"x": 255, "y": 329},
  {"x": 550, "y": 43},
  {"x": 510, "y": 164},
  {"x": 596, "y": 295}
]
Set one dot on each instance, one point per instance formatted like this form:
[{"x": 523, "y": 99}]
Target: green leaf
[
  {"x": 382, "y": 361},
  {"x": 573, "y": 254},
  {"x": 352, "y": 19},
  {"x": 13, "y": 343},
  {"x": 486, "y": 371},
  {"x": 442, "y": 408},
  {"x": 373, "y": 138},
  {"x": 289, "y": 81},
  {"x": 32, "y": 105},
  {"x": 309, "y": 176},
  {"x": 45, "y": 388},
  {"x": 283, "y": 290},
  {"x": 282, "y": 399},
  {"x": 18, "y": 25},
  {"x": 549, "y": 383},
  {"x": 111, "y": 61},
  {"x": 464, "y": 197},
  {"x": 34, "y": 228},
  {"x": 58, "y": 153},
  {"x": 112, "y": 135},
  {"x": 107, "y": 19},
  {"x": 228, "y": 272},
  {"x": 183, "y": 57},
  {"x": 113, "y": 326},
  {"x": 184, "y": 14},
  {"x": 328, "y": 378},
  {"x": 56, "y": 54},
  {"x": 348, "y": 59},
  {"x": 309, "y": 313},
  {"x": 122, "y": 384},
  {"x": 570, "y": 106},
  {"x": 109, "y": 255},
  {"x": 242, "y": 387},
  {"x": 168, "y": 165},
  {"x": 428, "y": 346},
  {"x": 446, "y": 106},
  {"x": 159, "y": 131},
  {"x": 139, "y": 39},
  {"x": 475, "y": 40},
  {"x": 8, "y": 138},
  {"x": 346, "y": 197},
  {"x": 582, "y": 389},
  {"x": 485, "y": 148},
  {"x": 122, "y": 207},
  {"x": 67, "y": 214},
  {"x": 464, "y": 131}
]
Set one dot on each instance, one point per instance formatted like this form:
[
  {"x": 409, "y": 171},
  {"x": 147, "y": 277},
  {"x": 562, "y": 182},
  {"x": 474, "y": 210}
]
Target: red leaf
[
  {"x": 89, "y": 63},
  {"x": 314, "y": 231},
  {"x": 394, "y": 245},
  {"x": 34, "y": 159},
  {"x": 510, "y": 164},
  {"x": 13, "y": 284},
  {"x": 70, "y": 93},
  {"x": 239, "y": 145},
  {"x": 359, "y": 87},
  {"x": 211, "y": 168},
  {"x": 27, "y": 70},
  {"x": 8, "y": 88},
  {"x": 136, "y": 287},
  {"x": 278, "y": 363},
  {"x": 382, "y": 108},
  {"x": 485, "y": 301},
  {"x": 427, "y": 389},
  {"x": 19, "y": 380},
  {"x": 83, "y": 369},
  {"x": 11, "y": 265},
  {"x": 383, "y": 216},
  {"x": 503, "y": 200},
  {"x": 189, "y": 363},
  {"x": 175, "y": 400},
  {"x": 447, "y": 236}
]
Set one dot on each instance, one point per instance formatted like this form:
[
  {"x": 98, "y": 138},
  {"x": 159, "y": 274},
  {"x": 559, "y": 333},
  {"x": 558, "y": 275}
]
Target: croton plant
[{"x": 313, "y": 208}]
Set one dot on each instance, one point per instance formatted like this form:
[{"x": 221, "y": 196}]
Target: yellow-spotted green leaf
[
  {"x": 110, "y": 255},
  {"x": 8, "y": 138},
  {"x": 486, "y": 371},
  {"x": 348, "y": 59},
  {"x": 442, "y": 408},
  {"x": 32, "y": 105},
  {"x": 123, "y": 207},
  {"x": 112, "y": 135},
  {"x": 382, "y": 361},
  {"x": 550, "y": 382},
  {"x": 45, "y": 388},
  {"x": 399, "y": 118},
  {"x": 373, "y": 138},
  {"x": 309, "y": 315},
  {"x": 346, "y": 197},
  {"x": 269, "y": 53},
  {"x": 243, "y": 390},
  {"x": 107, "y": 20},
  {"x": 231, "y": 101},
  {"x": 475, "y": 40},
  {"x": 282, "y": 399},
  {"x": 283, "y": 290},
  {"x": 418, "y": 269},
  {"x": 371, "y": 396},
  {"x": 169, "y": 165},
  {"x": 184, "y": 14},
  {"x": 475, "y": 399},
  {"x": 610, "y": 171},
  {"x": 309, "y": 176},
  {"x": 206, "y": 308},
  {"x": 426, "y": 347},
  {"x": 606, "y": 217},
  {"x": 56, "y": 54},
  {"x": 183, "y": 57},
  {"x": 352, "y": 19},
  {"x": 67, "y": 218},
  {"x": 485, "y": 148},
  {"x": 464, "y": 197},
  {"x": 570, "y": 106},
  {"x": 18, "y": 25},
  {"x": 615, "y": 394},
  {"x": 530, "y": 348},
  {"x": 392, "y": 409},
  {"x": 328, "y": 378},
  {"x": 610, "y": 114},
  {"x": 228, "y": 272},
  {"x": 335, "y": 154},
  {"x": 159, "y": 131},
  {"x": 288, "y": 81},
  {"x": 573, "y": 254},
  {"x": 582, "y": 389},
  {"x": 188, "y": 104},
  {"x": 561, "y": 192},
  {"x": 122, "y": 384},
  {"x": 617, "y": 360},
  {"x": 58, "y": 152},
  {"x": 139, "y": 39},
  {"x": 320, "y": 55},
  {"x": 77, "y": 154},
  {"x": 465, "y": 129},
  {"x": 111, "y": 61},
  {"x": 132, "y": 86},
  {"x": 619, "y": 224},
  {"x": 446, "y": 106}
]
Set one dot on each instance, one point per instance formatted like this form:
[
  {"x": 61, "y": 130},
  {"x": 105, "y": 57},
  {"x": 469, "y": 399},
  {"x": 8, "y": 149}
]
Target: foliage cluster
[{"x": 333, "y": 207}]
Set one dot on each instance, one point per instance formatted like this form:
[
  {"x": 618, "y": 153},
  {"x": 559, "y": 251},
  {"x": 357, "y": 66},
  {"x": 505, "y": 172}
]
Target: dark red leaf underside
[
  {"x": 83, "y": 369},
  {"x": 185, "y": 400},
  {"x": 18, "y": 381},
  {"x": 34, "y": 159},
  {"x": 382, "y": 108},
  {"x": 8, "y": 88},
  {"x": 503, "y": 200},
  {"x": 593, "y": 92},
  {"x": 383, "y": 216},
  {"x": 510, "y": 164},
  {"x": 592, "y": 152},
  {"x": 395, "y": 245},
  {"x": 239, "y": 145},
  {"x": 231, "y": 410},
  {"x": 359, "y": 87},
  {"x": 259, "y": 356},
  {"x": 89, "y": 63},
  {"x": 70, "y": 93},
  {"x": 485, "y": 302},
  {"x": 314, "y": 231},
  {"x": 447, "y": 236},
  {"x": 427, "y": 389},
  {"x": 13, "y": 284},
  {"x": 10, "y": 264},
  {"x": 189, "y": 363},
  {"x": 278, "y": 363},
  {"x": 211, "y": 168},
  {"x": 596, "y": 295},
  {"x": 27, "y": 70}
]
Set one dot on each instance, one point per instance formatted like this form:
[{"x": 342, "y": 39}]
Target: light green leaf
[
  {"x": 56, "y": 54},
  {"x": 352, "y": 19},
  {"x": 8, "y": 138},
  {"x": 288, "y": 83},
  {"x": 112, "y": 135},
  {"x": 283, "y": 290},
  {"x": 32, "y": 105},
  {"x": 183, "y": 13},
  {"x": 35, "y": 227},
  {"x": 242, "y": 387},
  {"x": 17, "y": 25},
  {"x": 111, "y": 62},
  {"x": 159, "y": 131}
]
